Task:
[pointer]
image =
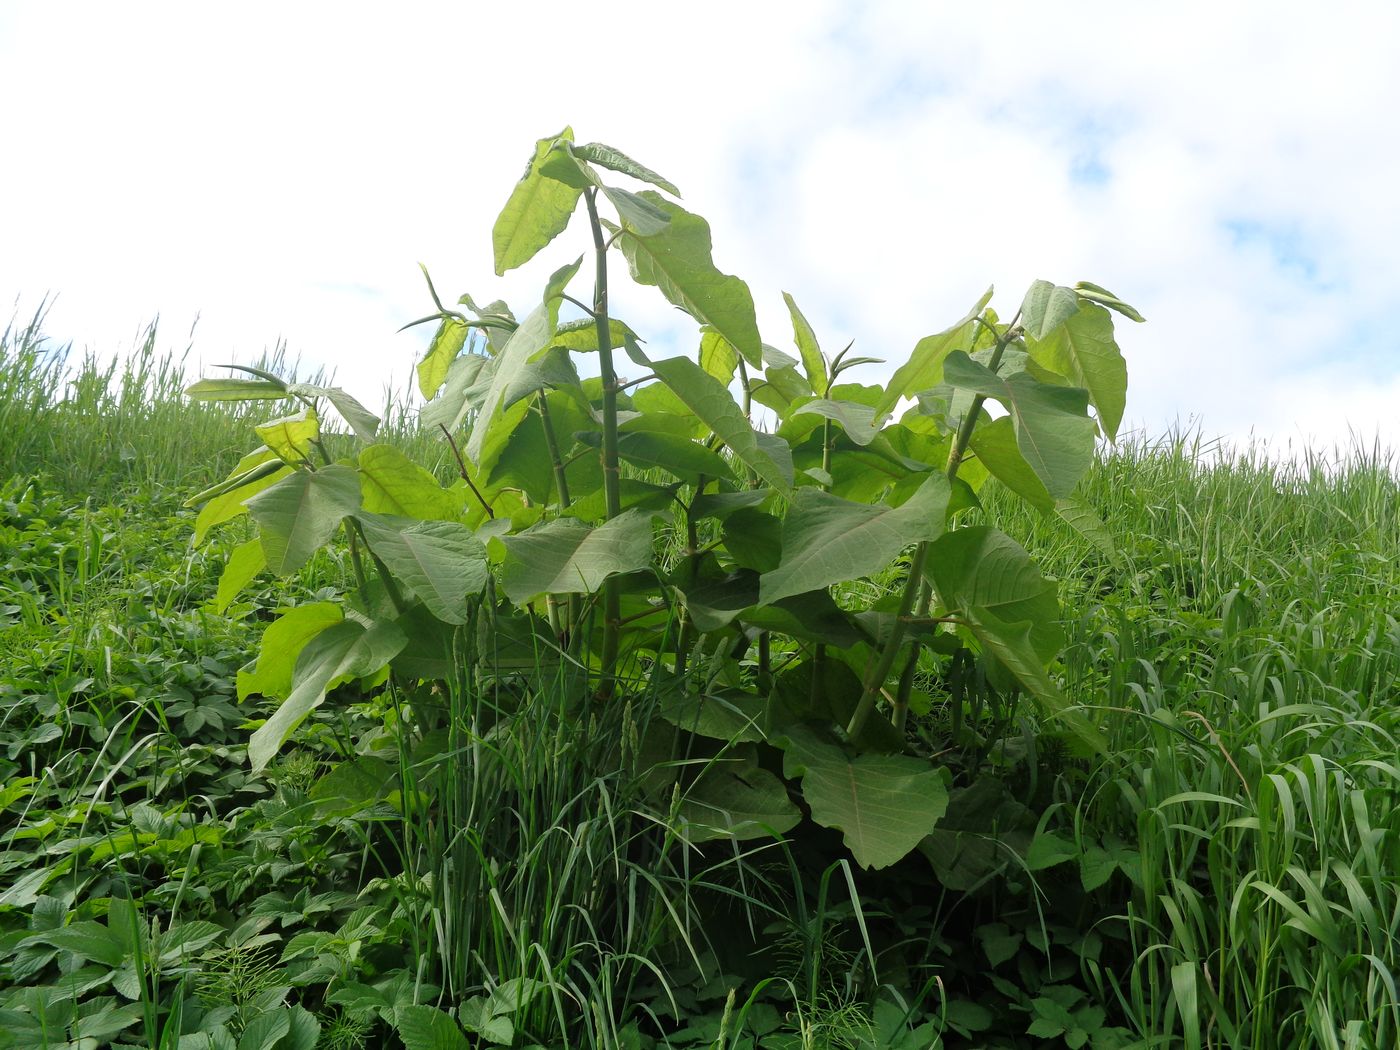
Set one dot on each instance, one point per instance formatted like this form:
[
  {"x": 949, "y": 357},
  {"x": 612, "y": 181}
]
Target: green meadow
[{"x": 1224, "y": 875}]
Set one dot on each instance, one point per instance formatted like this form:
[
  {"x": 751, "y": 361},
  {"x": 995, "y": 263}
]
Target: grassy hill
[{"x": 1228, "y": 875}]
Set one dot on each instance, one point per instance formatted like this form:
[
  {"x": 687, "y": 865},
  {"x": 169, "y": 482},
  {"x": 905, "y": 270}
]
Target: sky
[{"x": 278, "y": 171}]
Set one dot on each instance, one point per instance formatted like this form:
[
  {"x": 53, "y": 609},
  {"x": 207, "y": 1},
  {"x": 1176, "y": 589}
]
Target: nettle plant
[{"x": 776, "y": 591}]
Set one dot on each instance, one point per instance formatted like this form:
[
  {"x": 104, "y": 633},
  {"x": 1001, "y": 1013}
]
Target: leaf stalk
[{"x": 612, "y": 496}]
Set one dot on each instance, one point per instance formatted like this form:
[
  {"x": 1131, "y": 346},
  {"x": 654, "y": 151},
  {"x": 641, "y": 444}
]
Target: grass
[
  {"x": 1227, "y": 877},
  {"x": 1251, "y": 644}
]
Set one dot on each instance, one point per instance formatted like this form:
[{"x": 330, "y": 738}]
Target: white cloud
[{"x": 281, "y": 168}]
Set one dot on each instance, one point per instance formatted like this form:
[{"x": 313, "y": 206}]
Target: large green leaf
[
  {"x": 304, "y": 1032},
  {"x": 581, "y": 336},
  {"x": 616, "y": 160},
  {"x": 1083, "y": 350},
  {"x": 90, "y": 941},
  {"x": 458, "y": 394},
  {"x": 551, "y": 369},
  {"x": 246, "y": 561},
  {"x": 1053, "y": 428},
  {"x": 677, "y": 261},
  {"x": 1014, "y": 644},
  {"x": 821, "y": 690},
  {"x": 982, "y": 568},
  {"x": 984, "y": 831},
  {"x": 236, "y": 390},
  {"x": 1083, "y": 519},
  {"x": 829, "y": 540},
  {"x": 812, "y": 617},
  {"x": 754, "y": 539},
  {"x": 362, "y": 421},
  {"x": 265, "y": 1030},
  {"x": 883, "y": 805},
  {"x": 538, "y": 210},
  {"x": 441, "y": 562},
  {"x": 516, "y": 455},
  {"x": 718, "y": 356},
  {"x": 1097, "y": 294},
  {"x": 994, "y": 443},
  {"x": 346, "y": 650},
  {"x": 448, "y": 340},
  {"x": 722, "y": 504},
  {"x": 713, "y": 604},
  {"x": 990, "y": 583},
  {"x": 533, "y": 335},
  {"x": 712, "y": 402},
  {"x": 737, "y": 804},
  {"x": 857, "y": 420},
  {"x": 924, "y": 369},
  {"x": 637, "y": 214},
  {"x": 300, "y": 513},
  {"x": 428, "y": 1028},
  {"x": 808, "y": 347},
  {"x": 254, "y": 462},
  {"x": 686, "y": 459},
  {"x": 568, "y": 557},
  {"x": 728, "y": 715},
  {"x": 1046, "y": 307},
  {"x": 291, "y": 436},
  {"x": 282, "y": 643},
  {"x": 391, "y": 483}
]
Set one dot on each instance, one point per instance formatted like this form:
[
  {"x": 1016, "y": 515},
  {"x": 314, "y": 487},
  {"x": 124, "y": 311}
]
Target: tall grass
[
  {"x": 126, "y": 426},
  {"x": 1246, "y": 654}
]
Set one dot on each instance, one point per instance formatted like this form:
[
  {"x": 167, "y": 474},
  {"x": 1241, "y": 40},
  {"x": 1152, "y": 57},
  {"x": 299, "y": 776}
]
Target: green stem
[
  {"x": 561, "y": 481},
  {"x": 686, "y": 634},
  {"x": 385, "y": 576},
  {"x": 612, "y": 495},
  {"x": 560, "y": 626},
  {"x": 956, "y": 697},
  {"x": 464, "y": 473},
  {"x": 880, "y": 669},
  {"x": 692, "y": 527},
  {"x": 765, "y": 663},
  {"x": 361, "y": 581},
  {"x": 826, "y": 452},
  {"x": 900, "y": 711},
  {"x": 748, "y": 392},
  {"x": 685, "y": 638}
]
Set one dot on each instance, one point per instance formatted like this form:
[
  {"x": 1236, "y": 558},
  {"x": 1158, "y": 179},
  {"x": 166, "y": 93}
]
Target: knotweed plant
[{"x": 760, "y": 701}]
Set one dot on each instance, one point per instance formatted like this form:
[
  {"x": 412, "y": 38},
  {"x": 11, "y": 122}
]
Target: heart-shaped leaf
[{"x": 883, "y": 805}]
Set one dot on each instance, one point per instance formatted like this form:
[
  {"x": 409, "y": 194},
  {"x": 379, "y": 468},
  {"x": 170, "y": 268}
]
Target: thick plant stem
[
  {"x": 560, "y": 627},
  {"x": 900, "y": 712},
  {"x": 385, "y": 576},
  {"x": 913, "y": 586},
  {"x": 826, "y": 453},
  {"x": 356, "y": 563},
  {"x": 561, "y": 481},
  {"x": 878, "y": 671},
  {"x": 611, "y": 475},
  {"x": 747, "y": 390}
]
